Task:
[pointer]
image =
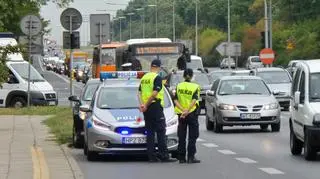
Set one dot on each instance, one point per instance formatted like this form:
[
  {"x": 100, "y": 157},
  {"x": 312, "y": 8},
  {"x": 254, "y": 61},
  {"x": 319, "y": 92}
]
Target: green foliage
[
  {"x": 291, "y": 19},
  {"x": 4, "y": 51}
]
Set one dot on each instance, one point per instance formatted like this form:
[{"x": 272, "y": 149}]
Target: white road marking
[
  {"x": 227, "y": 152},
  {"x": 210, "y": 145},
  {"x": 272, "y": 171},
  {"x": 200, "y": 140},
  {"x": 246, "y": 160}
]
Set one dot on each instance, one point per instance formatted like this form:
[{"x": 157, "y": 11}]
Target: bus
[
  {"x": 141, "y": 52},
  {"x": 109, "y": 60}
]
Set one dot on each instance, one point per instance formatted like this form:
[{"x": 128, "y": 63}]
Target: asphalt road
[
  {"x": 238, "y": 153},
  {"x": 60, "y": 83}
]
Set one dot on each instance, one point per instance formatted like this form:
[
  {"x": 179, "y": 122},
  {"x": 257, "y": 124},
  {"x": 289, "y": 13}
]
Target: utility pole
[
  {"x": 270, "y": 20},
  {"x": 266, "y": 24},
  {"x": 229, "y": 35}
]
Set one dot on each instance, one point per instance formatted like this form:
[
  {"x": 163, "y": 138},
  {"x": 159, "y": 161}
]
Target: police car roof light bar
[{"x": 121, "y": 75}]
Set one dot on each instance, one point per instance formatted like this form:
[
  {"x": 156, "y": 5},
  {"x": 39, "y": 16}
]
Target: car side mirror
[
  {"x": 275, "y": 92},
  {"x": 206, "y": 70},
  {"x": 85, "y": 108},
  {"x": 42, "y": 75},
  {"x": 209, "y": 93},
  {"x": 74, "y": 99},
  {"x": 296, "y": 98}
]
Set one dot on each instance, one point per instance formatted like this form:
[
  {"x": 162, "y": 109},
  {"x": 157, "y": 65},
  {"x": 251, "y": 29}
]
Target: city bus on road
[
  {"x": 109, "y": 60},
  {"x": 141, "y": 52}
]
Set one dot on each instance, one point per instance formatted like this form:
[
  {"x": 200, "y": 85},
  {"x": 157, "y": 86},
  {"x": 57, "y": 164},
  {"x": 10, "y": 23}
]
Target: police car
[{"x": 114, "y": 124}]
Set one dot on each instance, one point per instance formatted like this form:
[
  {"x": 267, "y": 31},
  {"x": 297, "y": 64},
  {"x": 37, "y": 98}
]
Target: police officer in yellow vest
[
  {"x": 151, "y": 93},
  {"x": 187, "y": 104}
]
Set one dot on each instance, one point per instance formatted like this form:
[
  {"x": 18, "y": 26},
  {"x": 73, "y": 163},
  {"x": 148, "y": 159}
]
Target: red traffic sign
[{"x": 267, "y": 56}]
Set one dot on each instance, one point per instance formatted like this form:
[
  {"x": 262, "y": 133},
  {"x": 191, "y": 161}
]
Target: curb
[{"x": 76, "y": 171}]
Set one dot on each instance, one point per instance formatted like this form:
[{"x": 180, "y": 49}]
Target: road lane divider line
[
  {"x": 227, "y": 152},
  {"x": 210, "y": 145},
  {"x": 40, "y": 167},
  {"x": 200, "y": 140},
  {"x": 246, "y": 160},
  {"x": 272, "y": 171}
]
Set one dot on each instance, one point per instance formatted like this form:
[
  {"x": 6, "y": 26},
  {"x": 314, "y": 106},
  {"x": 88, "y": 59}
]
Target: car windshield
[
  {"x": 122, "y": 98},
  {"x": 243, "y": 86},
  {"x": 22, "y": 70},
  {"x": 194, "y": 64},
  {"x": 216, "y": 75},
  {"x": 200, "y": 78},
  {"x": 255, "y": 60},
  {"x": 275, "y": 77},
  {"x": 314, "y": 94},
  {"x": 89, "y": 91}
]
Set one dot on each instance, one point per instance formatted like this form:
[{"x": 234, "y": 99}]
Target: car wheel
[
  {"x": 18, "y": 102},
  {"x": 209, "y": 124},
  {"x": 264, "y": 126},
  {"x": 309, "y": 152},
  {"x": 217, "y": 128},
  {"x": 295, "y": 144},
  {"x": 275, "y": 127},
  {"x": 174, "y": 154},
  {"x": 91, "y": 155},
  {"x": 78, "y": 80}
]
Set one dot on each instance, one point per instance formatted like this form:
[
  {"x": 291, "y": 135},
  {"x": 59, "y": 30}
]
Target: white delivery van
[
  {"x": 14, "y": 92},
  {"x": 195, "y": 63}
]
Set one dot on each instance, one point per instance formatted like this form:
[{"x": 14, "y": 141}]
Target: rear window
[
  {"x": 123, "y": 98},
  {"x": 255, "y": 60},
  {"x": 275, "y": 77}
]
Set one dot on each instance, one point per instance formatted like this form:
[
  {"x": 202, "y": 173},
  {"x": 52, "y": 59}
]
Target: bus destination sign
[{"x": 157, "y": 50}]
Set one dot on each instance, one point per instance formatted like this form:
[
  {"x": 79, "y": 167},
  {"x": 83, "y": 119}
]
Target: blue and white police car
[{"x": 114, "y": 124}]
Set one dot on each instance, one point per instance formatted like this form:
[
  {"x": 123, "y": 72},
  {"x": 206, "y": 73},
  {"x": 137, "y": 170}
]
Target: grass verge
[{"x": 60, "y": 122}]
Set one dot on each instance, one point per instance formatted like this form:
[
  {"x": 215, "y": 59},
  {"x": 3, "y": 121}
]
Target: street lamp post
[
  {"x": 196, "y": 28},
  {"x": 270, "y": 25},
  {"x": 173, "y": 21},
  {"x": 155, "y": 5},
  {"x": 229, "y": 34},
  {"x": 142, "y": 20},
  {"x": 130, "y": 14},
  {"x": 266, "y": 23},
  {"x": 121, "y": 27}
]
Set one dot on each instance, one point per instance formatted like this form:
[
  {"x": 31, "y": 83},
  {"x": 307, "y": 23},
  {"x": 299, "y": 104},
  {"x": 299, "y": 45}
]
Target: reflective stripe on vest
[
  {"x": 147, "y": 82},
  {"x": 185, "y": 91}
]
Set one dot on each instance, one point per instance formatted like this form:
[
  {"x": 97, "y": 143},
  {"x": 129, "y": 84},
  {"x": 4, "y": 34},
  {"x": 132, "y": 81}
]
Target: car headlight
[
  {"x": 80, "y": 73},
  {"x": 316, "y": 119},
  {"x": 100, "y": 124},
  {"x": 271, "y": 106},
  {"x": 228, "y": 107},
  {"x": 82, "y": 115},
  {"x": 173, "y": 121}
]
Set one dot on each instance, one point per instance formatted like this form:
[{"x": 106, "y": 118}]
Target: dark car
[
  {"x": 80, "y": 71},
  {"x": 79, "y": 116},
  {"x": 199, "y": 77}
]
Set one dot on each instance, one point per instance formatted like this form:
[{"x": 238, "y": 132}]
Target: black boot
[{"x": 193, "y": 160}]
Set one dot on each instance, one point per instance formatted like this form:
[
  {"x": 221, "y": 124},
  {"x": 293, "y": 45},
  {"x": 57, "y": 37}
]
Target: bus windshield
[
  {"x": 168, "y": 61},
  {"x": 108, "y": 56}
]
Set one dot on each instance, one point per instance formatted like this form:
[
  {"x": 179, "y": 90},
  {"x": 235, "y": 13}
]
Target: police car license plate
[
  {"x": 52, "y": 103},
  {"x": 134, "y": 140},
  {"x": 250, "y": 116}
]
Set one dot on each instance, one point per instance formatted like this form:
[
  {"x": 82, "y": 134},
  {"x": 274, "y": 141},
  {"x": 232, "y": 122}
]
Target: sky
[{"x": 86, "y": 7}]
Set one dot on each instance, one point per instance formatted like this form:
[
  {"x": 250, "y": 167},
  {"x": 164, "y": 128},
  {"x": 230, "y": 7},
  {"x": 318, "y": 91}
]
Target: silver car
[
  {"x": 226, "y": 62},
  {"x": 279, "y": 81},
  {"x": 115, "y": 125},
  {"x": 253, "y": 62},
  {"x": 241, "y": 100}
]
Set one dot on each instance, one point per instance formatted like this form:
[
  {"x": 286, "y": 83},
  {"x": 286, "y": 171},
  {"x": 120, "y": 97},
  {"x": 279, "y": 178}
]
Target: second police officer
[{"x": 187, "y": 105}]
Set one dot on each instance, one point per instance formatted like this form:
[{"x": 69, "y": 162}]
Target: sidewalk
[{"x": 28, "y": 151}]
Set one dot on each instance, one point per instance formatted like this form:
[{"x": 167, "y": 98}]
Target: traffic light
[{"x": 263, "y": 38}]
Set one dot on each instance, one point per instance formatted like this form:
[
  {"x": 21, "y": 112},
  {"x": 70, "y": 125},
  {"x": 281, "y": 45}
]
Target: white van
[
  {"x": 305, "y": 110},
  {"x": 14, "y": 93},
  {"x": 195, "y": 63}
]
